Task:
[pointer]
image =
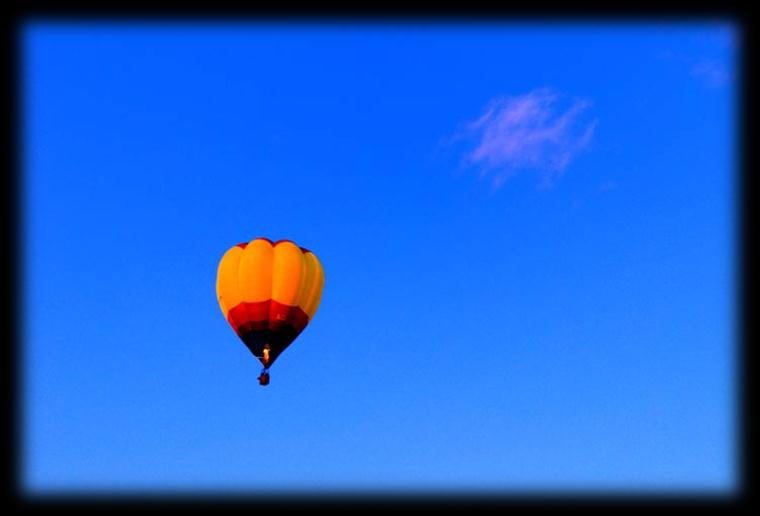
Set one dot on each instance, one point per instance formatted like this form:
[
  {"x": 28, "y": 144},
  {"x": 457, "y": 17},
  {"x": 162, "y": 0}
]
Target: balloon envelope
[{"x": 269, "y": 292}]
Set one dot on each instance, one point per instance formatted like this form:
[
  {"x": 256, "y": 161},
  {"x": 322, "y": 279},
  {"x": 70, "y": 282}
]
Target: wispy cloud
[
  {"x": 709, "y": 58},
  {"x": 714, "y": 73},
  {"x": 541, "y": 131},
  {"x": 607, "y": 186}
]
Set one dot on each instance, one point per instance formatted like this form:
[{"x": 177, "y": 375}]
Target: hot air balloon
[{"x": 269, "y": 292}]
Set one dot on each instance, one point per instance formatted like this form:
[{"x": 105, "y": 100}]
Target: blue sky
[{"x": 527, "y": 232}]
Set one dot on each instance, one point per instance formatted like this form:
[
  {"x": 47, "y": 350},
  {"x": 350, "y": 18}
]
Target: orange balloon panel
[{"x": 269, "y": 292}]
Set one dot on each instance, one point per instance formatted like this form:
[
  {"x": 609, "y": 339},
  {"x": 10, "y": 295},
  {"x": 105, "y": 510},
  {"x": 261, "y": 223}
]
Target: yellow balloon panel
[
  {"x": 313, "y": 292},
  {"x": 287, "y": 273},
  {"x": 255, "y": 271},
  {"x": 307, "y": 279},
  {"x": 227, "y": 291}
]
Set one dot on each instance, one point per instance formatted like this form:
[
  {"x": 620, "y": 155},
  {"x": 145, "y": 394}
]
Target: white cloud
[{"x": 540, "y": 131}]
